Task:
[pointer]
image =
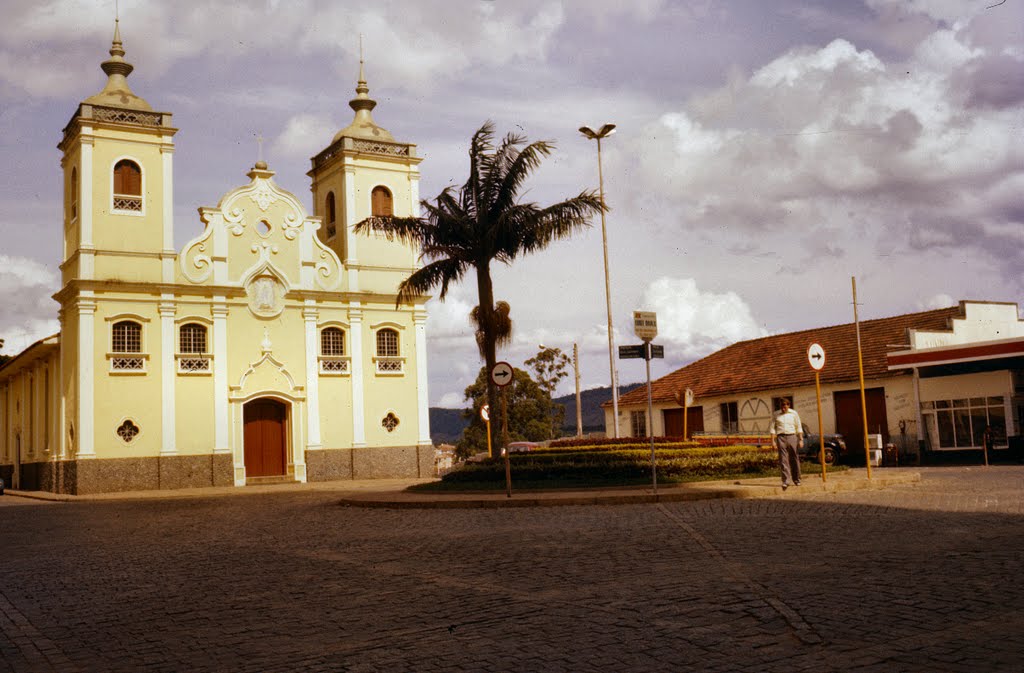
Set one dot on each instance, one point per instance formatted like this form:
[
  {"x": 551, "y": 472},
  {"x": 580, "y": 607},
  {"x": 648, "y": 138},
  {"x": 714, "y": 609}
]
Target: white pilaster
[
  {"x": 86, "y": 261},
  {"x": 167, "y": 260},
  {"x": 58, "y": 391},
  {"x": 351, "y": 253},
  {"x": 5, "y": 426},
  {"x": 414, "y": 210},
  {"x": 86, "y": 430},
  {"x": 355, "y": 318},
  {"x": 25, "y": 421},
  {"x": 419, "y": 319},
  {"x": 309, "y": 315},
  {"x": 221, "y": 421},
  {"x": 168, "y": 376}
]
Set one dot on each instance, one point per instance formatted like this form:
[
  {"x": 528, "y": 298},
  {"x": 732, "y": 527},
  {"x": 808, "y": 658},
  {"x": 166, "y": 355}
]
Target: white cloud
[
  {"x": 695, "y": 323},
  {"x": 19, "y": 337},
  {"x": 937, "y": 301},
  {"x": 818, "y": 140},
  {"x": 451, "y": 401},
  {"x": 304, "y": 135},
  {"x": 27, "y": 313}
]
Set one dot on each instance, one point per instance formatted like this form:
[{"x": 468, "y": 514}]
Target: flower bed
[{"x": 625, "y": 463}]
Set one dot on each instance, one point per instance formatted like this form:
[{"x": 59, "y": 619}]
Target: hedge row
[
  {"x": 611, "y": 442},
  {"x": 596, "y": 443},
  {"x": 623, "y": 464}
]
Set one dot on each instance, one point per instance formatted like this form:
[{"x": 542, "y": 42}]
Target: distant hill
[
  {"x": 446, "y": 425},
  {"x": 590, "y": 401}
]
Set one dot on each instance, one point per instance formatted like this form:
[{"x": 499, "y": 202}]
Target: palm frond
[
  {"x": 405, "y": 229},
  {"x": 515, "y": 172},
  {"x": 442, "y": 272},
  {"x": 539, "y": 227}
]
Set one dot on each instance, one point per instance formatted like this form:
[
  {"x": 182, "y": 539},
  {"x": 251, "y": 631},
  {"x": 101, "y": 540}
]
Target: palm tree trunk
[{"x": 485, "y": 292}]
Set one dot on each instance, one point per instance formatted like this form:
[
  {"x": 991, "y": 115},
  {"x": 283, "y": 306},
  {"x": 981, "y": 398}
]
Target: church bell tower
[{"x": 364, "y": 172}]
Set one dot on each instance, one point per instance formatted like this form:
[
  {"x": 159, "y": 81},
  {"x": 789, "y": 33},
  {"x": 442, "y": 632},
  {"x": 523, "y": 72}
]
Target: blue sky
[{"x": 766, "y": 152}]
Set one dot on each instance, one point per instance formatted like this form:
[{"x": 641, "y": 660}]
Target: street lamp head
[{"x": 603, "y": 132}]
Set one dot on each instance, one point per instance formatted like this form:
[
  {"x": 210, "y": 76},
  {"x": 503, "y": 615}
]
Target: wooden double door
[
  {"x": 850, "y": 421},
  {"x": 265, "y": 437},
  {"x": 674, "y": 421}
]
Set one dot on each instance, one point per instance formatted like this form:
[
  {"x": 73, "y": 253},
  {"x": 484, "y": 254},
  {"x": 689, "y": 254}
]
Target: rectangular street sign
[
  {"x": 657, "y": 351},
  {"x": 645, "y": 324},
  {"x": 629, "y": 352}
]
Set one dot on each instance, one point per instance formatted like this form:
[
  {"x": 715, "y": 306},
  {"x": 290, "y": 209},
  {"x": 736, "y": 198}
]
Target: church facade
[{"x": 269, "y": 348}]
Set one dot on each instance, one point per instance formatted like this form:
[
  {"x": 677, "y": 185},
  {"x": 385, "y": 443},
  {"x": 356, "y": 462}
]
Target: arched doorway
[{"x": 265, "y": 437}]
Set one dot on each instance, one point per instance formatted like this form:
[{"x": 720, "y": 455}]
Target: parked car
[
  {"x": 1, "y": 485},
  {"x": 835, "y": 447},
  {"x": 522, "y": 447}
]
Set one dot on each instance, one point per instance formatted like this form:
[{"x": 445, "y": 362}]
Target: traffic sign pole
[
  {"x": 821, "y": 430},
  {"x": 816, "y": 358},
  {"x": 650, "y": 423}
]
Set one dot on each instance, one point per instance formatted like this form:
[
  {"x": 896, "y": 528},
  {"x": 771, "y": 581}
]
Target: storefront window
[{"x": 960, "y": 423}]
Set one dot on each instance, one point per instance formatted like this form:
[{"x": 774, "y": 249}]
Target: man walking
[{"x": 788, "y": 437}]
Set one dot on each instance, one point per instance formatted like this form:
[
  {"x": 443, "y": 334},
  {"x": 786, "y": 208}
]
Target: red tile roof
[{"x": 780, "y": 361}]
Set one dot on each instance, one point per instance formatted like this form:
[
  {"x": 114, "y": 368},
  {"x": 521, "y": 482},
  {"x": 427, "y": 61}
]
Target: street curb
[
  {"x": 676, "y": 493},
  {"x": 392, "y": 494},
  {"x": 41, "y": 495}
]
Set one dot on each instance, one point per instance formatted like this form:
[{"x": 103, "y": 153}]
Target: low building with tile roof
[{"x": 933, "y": 380}]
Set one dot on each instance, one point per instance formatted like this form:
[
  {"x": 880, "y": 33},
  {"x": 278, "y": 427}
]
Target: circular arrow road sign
[
  {"x": 501, "y": 374},
  {"x": 485, "y": 412},
  {"x": 816, "y": 356}
]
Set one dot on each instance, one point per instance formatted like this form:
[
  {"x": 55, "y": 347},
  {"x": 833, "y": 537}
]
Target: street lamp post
[{"x": 604, "y": 132}]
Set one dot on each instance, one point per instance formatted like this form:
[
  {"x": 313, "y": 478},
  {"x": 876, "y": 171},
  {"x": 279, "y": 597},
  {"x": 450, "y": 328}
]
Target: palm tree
[{"x": 481, "y": 223}]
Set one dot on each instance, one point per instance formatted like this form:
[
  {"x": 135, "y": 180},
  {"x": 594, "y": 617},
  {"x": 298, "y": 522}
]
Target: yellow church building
[{"x": 269, "y": 348}]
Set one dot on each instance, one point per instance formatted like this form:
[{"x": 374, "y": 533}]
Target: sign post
[
  {"x": 816, "y": 356},
  {"x": 645, "y": 325},
  {"x": 502, "y": 375}
]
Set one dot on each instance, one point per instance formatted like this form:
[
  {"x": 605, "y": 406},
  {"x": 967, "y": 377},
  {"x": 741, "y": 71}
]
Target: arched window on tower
[
  {"x": 329, "y": 215},
  {"x": 127, "y": 186},
  {"x": 74, "y": 194},
  {"x": 381, "y": 202}
]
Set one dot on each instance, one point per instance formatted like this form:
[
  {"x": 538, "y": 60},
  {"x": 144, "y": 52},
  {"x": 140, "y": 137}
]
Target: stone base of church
[
  {"x": 86, "y": 476},
  {"x": 393, "y": 462},
  {"x": 82, "y": 477}
]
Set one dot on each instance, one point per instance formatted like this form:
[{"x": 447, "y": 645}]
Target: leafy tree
[
  {"x": 528, "y": 407},
  {"x": 551, "y": 365},
  {"x": 484, "y": 222}
]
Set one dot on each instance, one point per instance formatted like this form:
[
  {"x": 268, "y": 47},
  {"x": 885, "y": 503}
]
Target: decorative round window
[
  {"x": 128, "y": 431},
  {"x": 389, "y": 422}
]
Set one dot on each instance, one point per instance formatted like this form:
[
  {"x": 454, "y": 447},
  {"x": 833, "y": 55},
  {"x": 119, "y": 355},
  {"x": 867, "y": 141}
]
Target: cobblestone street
[{"x": 924, "y": 577}]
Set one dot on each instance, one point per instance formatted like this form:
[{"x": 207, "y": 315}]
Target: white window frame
[
  {"x": 189, "y": 363},
  {"x": 331, "y": 364},
  {"x": 141, "y": 212},
  {"x": 638, "y": 423},
  {"x": 120, "y": 359},
  {"x": 388, "y": 365}
]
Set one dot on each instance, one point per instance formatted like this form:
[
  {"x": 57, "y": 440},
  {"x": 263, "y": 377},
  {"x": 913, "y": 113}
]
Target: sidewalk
[{"x": 392, "y": 493}]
